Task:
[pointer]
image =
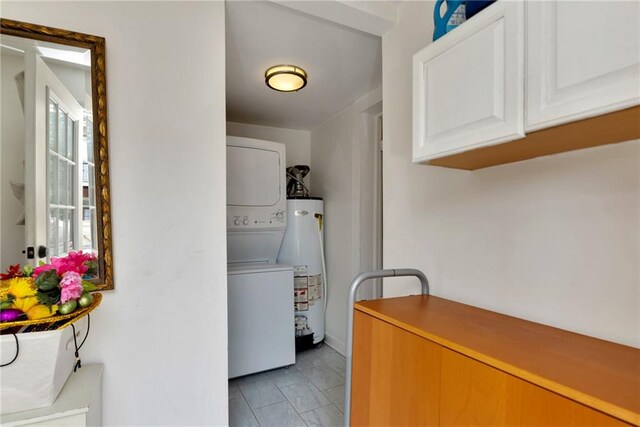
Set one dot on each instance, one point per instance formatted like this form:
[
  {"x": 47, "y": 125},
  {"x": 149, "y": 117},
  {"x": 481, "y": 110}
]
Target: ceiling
[
  {"x": 66, "y": 54},
  {"x": 342, "y": 64}
]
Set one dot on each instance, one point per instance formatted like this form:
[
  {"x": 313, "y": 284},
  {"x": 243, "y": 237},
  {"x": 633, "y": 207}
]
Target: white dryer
[{"x": 256, "y": 200}]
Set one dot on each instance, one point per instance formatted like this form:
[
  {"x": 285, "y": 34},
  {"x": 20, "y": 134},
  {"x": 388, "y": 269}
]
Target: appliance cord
[{"x": 319, "y": 220}]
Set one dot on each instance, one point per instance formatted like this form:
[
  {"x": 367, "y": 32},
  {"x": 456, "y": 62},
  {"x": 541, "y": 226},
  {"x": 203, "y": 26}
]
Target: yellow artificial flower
[
  {"x": 41, "y": 311},
  {"x": 25, "y": 304},
  {"x": 21, "y": 287}
]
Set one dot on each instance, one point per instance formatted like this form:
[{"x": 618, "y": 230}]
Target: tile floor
[{"x": 309, "y": 393}]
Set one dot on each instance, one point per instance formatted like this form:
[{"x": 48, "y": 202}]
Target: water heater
[{"x": 302, "y": 248}]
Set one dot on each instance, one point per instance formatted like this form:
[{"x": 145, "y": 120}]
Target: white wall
[
  {"x": 162, "y": 333},
  {"x": 554, "y": 240},
  {"x": 337, "y": 157},
  {"x": 298, "y": 142},
  {"x": 11, "y": 161}
]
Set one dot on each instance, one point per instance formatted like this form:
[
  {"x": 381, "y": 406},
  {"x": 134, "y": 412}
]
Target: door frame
[
  {"x": 366, "y": 171},
  {"x": 378, "y": 198}
]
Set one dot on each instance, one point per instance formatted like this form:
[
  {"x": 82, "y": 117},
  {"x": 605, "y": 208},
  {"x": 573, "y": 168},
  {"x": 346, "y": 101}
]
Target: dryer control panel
[{"x": 253, "y": 220}]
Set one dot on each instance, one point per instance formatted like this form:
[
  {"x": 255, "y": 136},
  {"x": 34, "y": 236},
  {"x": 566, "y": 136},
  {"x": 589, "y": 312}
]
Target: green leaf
[
  {"x": 88, "y": 286},
  {"x": 92, "y": 268},
  {"x": 49, "y": 298},
  {"x": 27, "y": 270},
  {"x": 48, "y": 280}
]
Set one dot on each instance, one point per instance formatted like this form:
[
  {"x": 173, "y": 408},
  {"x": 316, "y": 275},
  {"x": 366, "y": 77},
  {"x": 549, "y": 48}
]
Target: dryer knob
[
  {"x": 245, "y": 222},
  {"x": 236, "y": 221}
]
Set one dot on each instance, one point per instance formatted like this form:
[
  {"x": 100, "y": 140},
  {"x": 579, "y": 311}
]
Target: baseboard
[{"x": 335, "y": 343}]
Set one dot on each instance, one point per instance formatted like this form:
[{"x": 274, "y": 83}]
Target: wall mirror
[{"x": 54, "y": 170}]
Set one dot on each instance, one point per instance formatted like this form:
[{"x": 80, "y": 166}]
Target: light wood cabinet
[
  {"x": 426, "y": 361},
  {"x": 583, "y": 60},
  {"x": 475, "y": 394},
  {"x": 398, "y": 381},
  {"x": 468, "y": 89},
  {"x": 526, "y": 79}
]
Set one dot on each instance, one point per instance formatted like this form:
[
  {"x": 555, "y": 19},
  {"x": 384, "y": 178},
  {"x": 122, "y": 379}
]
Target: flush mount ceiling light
[{"x": 285, "y": 78}]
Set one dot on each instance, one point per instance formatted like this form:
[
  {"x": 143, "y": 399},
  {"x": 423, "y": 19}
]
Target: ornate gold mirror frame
[{"x": 99, "y": 98}]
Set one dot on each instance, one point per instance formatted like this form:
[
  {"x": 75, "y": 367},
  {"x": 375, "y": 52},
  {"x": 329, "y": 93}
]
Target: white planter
[{"x": 44, "y": 363}]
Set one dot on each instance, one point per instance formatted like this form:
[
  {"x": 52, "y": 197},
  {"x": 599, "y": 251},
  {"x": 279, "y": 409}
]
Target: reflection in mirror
[{"x": 50, "y": 203}]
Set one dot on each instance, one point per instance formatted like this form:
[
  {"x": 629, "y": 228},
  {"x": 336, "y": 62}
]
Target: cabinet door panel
[
  {"x": 583, "y": 60},
  {"x": 473, "y": 393},
  {"x": 396, "y": 376},
  {"x": 468, "y": 86},
  {"x": 448, "y": 80}
]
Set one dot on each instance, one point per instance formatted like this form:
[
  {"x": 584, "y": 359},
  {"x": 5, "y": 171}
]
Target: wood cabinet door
[
  {"x": 475, "y": 394},
  {"x": 468, "y": 87},
  {"x": 396, "y": 376},
  {"x": 583, "y": 59}
]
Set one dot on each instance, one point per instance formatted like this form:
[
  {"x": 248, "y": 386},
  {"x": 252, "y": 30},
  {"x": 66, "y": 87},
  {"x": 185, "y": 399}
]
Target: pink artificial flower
[
  {"x": 41, "y": 269},
  {"x": 70, "y": 286},
  {"x": 74, "y": 261},
  {"x": 89, "y": 256}
]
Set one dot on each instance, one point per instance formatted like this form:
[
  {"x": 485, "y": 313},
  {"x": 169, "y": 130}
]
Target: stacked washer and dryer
[
  {"x": 276, "y": 290},
  {"x": 260, "y": 291}
]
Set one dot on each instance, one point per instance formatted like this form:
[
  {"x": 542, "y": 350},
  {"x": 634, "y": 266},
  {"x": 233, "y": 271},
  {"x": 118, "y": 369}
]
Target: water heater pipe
[
  {"x": 299, "y": 181},
  {"x": 319, "y": 221}
]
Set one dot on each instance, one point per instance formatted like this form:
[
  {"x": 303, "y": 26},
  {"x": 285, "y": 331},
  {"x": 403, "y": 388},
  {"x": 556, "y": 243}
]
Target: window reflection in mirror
[{"x": 47, "y": 165}]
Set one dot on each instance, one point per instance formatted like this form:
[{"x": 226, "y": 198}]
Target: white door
[
  {"x": 583, "y": 59},
  {"x": 53, "y": 188},
  {"x": 469, "y": 85}
]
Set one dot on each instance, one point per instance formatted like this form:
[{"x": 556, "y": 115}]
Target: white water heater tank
[{"x": 302, "y": 249}]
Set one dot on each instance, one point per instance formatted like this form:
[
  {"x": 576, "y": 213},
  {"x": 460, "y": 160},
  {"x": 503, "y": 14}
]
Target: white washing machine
[{"x": 261, "y": 321}]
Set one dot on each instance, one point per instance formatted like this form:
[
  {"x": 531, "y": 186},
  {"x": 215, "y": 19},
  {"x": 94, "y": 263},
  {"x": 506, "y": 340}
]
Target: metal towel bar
[{"x": 359, "y": 280}]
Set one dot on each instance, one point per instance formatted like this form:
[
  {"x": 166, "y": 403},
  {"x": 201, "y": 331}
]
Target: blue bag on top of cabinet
[
  {"x": 452, "y": 17},
  {"x": 474, "y": 6}
]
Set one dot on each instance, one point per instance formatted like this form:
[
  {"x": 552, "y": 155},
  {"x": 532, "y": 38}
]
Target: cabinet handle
[{"x": 359, "y": 280}]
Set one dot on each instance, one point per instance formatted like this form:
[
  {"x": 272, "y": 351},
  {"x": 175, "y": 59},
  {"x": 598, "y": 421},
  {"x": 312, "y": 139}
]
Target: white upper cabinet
[
  {"x": 583, "y": 59},
  {"x": 524, "y": 79},
  {"x": 469, "y": 85}
]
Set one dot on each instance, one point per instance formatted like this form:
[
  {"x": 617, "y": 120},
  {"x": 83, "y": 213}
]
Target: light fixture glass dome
[{"x": 285, "y": 78}]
